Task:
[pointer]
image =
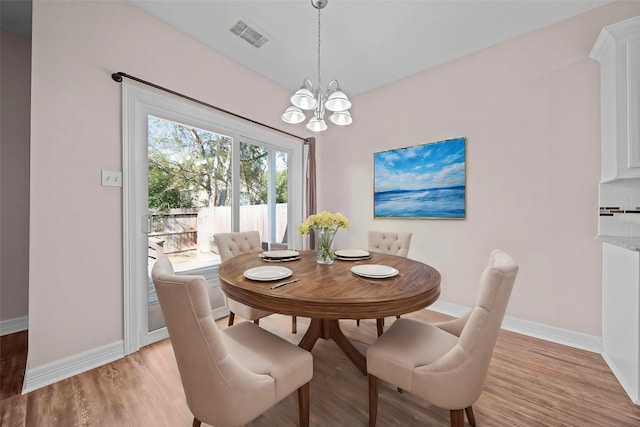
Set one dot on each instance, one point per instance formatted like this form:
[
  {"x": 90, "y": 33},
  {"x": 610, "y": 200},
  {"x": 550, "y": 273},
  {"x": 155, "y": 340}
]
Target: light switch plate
[{"x": 111, "y": 178}]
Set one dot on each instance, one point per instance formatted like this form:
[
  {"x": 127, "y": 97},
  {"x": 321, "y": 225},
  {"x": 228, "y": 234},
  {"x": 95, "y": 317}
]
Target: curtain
[{"x": 311, "y": 183}]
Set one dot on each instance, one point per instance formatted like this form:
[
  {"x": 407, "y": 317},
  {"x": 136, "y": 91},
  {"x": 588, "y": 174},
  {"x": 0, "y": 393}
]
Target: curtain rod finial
[{"x": 116, "y": 77}]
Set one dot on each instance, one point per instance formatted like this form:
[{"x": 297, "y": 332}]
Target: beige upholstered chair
[
  {"x": 231, "y": 376},
  {"x": 388, "y": 243},
  {"x": 445, "y": 363},
  {"x": 230, "y": 245}
]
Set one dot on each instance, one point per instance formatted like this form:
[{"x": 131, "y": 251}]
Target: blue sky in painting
[{"x": 436, "y": 165}]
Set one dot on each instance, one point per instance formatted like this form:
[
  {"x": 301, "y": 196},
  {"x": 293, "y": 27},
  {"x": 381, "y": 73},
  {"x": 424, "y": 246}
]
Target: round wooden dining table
[{"x": 328, "y": 293}]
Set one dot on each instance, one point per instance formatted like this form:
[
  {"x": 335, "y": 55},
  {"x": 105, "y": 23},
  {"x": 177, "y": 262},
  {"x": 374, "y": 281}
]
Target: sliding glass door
[{"x": 190, "y": 173}]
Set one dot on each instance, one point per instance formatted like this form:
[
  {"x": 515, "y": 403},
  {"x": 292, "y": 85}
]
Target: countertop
[{"x": 631, "y": 243}]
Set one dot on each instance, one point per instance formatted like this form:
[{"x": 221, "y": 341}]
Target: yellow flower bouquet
[{"x": 325, "y": 225}]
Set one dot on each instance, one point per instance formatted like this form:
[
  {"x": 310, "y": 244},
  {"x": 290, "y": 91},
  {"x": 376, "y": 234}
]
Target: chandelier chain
[{"x": 319, "y": 78}]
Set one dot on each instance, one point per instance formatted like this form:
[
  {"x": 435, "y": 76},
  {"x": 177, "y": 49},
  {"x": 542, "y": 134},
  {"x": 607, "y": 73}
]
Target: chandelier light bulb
[
  {"x": 304, "y": 99},
  {"x": 341, "y": 118},
  {"x": 293, "y": 115},
  {"x": 338, "y": 101},
  {"x": 317, "y": 125}
]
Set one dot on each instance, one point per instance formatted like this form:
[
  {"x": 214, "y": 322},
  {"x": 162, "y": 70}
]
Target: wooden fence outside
[{"x": 183, "y": 230}]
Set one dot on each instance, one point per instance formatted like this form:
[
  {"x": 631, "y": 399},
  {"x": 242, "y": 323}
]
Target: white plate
[
  {"x": 265, "y": 274},
  {"x": 280, "y": 254},
  {"x": 374, "y": 271},
  {"x": 352, "y": 253},
  {"x": 281, "y": 259},
  {"x": 352, "y": 258}
]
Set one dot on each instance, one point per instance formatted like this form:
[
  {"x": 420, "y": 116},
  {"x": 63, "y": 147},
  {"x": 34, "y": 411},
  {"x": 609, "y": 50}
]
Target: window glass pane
[
  {"x": 188, "y": 167},
  {"x": 189, "y": 193},
  {"x": 254, "y": 188},
  {"x": 282, "y": 195}
]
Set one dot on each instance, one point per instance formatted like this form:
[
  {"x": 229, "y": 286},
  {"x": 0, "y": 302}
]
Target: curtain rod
[{"x": 117, "y": 77}]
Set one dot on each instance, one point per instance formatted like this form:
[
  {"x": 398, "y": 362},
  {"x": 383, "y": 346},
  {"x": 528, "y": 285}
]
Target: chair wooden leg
[
  {"x": 196, "y": 422},
  {"x": 380, "y": 326},
  {"x": 470, "y": 416},
  {"x": 398, "y": 316},
  {"x": 373, "y": 400},
  {"x": 294, "y": 325},
  {"x": 303, "y": 405},
  {"x": 457, "y": 417},
  {"x": 357, "y": 322},
  {"x": 232, "y": 316}
]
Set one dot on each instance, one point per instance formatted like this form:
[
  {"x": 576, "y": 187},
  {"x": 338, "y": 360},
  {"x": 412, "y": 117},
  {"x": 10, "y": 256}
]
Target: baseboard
[
  {"x": 220, "y": 312},
  {"x": 65, "y": 368},
  {"x": 633, "y": 394},
  {"x": 59, "y": 370},
  {"x": 532, "y": 329},
  {"x": 11, "y": 326},
  {"x": 62, "y": 369}
]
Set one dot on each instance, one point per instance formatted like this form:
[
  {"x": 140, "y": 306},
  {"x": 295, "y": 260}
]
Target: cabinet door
[
  {"x": 618, "y": 51},
  {"x": 621, "y": 315},
  {"x": 633, "y": 99}
]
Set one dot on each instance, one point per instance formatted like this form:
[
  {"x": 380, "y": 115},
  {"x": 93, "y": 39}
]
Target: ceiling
[{"x": 364, "y": 44}]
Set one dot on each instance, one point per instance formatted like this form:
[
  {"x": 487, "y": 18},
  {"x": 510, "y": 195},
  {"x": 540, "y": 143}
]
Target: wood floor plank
[
  {"x": 161, "y": 364},
  {"x": 13, "y": 362},
  {"x": 126, "y": 390},
  {"x": 530, "y": 383},
  {"x": 52, "y": 405},
  {"x": 13, "y": 411}
]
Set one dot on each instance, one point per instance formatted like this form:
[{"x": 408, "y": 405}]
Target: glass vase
[{"x": 324, "y": 244}]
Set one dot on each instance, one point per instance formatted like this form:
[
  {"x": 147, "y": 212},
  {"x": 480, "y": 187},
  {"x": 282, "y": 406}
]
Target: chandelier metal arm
[
  {"x": 306, "y": 84},
  {"x": 333, "y": 86}
]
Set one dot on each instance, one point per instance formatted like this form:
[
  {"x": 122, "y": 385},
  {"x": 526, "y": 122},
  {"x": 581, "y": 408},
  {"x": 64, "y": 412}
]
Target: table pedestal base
[{"x": 330, "y": 329}]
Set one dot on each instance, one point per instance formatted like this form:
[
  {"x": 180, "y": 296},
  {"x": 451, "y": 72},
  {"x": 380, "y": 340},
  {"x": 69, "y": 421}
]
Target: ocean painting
[{"x": 423, "y": 181}]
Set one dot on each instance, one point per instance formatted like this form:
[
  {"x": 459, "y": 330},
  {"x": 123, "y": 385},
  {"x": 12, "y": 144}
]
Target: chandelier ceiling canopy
[{"x": 307, "y": 98}]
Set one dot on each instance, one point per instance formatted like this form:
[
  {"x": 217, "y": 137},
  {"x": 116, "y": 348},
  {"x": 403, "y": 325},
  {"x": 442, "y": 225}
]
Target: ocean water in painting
[
  {"x": 431, "y": 203},
  {"x": 423, "y": 181}
]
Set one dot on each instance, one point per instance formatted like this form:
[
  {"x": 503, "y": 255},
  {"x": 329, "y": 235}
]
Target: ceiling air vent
[{"x": 250, "y": 32}]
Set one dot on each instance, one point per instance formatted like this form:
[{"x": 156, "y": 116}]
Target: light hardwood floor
[{"x": 530, "y": 383}]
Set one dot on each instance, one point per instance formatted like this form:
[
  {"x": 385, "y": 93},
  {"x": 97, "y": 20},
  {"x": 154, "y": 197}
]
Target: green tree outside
[{"x": 191, "y": 168}]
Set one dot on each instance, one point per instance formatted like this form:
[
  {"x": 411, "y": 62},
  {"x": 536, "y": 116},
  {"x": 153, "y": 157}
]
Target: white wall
[
  {"x": 529, "y": 108},
  {"x": 76, "y": 267},
  {"x": 15, "y": 80}
]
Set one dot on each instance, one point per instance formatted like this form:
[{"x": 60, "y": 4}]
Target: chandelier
[{"x": 305, "y": 98}]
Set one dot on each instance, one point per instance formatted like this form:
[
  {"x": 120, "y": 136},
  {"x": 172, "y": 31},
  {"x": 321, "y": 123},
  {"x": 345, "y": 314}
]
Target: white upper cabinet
[{"x": 618, "y": 52}]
